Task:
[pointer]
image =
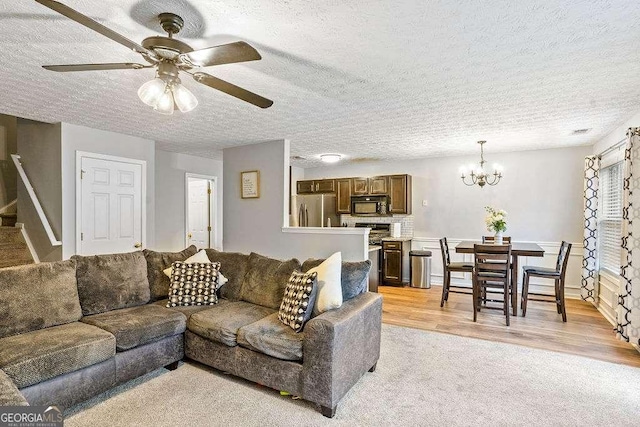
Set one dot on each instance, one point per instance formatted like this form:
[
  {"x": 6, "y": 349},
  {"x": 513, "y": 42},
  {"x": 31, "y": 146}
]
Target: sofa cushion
[
  {"x": 297, "y": 303},
  {"x": 273, "y": 338},
  {"x": 110, "y": 282},
  {"x": 189, "y": 310},
  {"x": 355, "y": 276},
  {"x": 233, "y": 265},
  {"x": 9, "y": 393},
  {"x": 136, "y": 326},
  {"x": 221, "y": 323},
  {"x": 156, "y": 263},
  {"x": 193, "y": 284},
  {"x": 38, "y": 296},
  {"x": 265, "y": 280},
  {"x": 37, "y": 356}
]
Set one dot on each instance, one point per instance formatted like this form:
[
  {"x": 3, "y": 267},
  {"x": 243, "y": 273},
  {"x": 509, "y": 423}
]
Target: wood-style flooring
[{"x": 586, "y": 333}]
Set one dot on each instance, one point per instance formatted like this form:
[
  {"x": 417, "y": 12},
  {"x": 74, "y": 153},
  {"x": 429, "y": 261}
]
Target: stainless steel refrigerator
[{"x": 314, "y": 210}]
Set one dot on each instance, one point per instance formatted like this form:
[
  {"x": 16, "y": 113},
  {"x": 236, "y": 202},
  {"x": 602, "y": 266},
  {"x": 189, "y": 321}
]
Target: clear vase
[{"x": 497, "y": 239}]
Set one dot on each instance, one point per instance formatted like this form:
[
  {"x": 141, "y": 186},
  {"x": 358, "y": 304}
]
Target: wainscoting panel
[
  {"x": 551, "y": 249},
  {"x": 608, "y": 295}
]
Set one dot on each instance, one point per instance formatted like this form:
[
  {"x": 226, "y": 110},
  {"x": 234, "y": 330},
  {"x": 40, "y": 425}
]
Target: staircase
[{"x": 13, "y": 248}]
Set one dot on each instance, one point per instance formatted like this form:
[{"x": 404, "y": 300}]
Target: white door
[
  {"x": 111, "y": 206},
  {"x": 199, "y": 212}
]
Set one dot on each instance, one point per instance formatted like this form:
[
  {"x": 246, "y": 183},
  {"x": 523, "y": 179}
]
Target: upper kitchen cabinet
[
  {"x": 317, "y": 186},
  {"x": 379, "y": 185},
  {"x": 360, "y": 186},
  {"x": 343, "y": 196},
  {"x": 400, "y": 194}
]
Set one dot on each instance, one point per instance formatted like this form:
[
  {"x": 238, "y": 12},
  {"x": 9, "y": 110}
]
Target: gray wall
[
  {"x": 617, "y": 134},
  {"x": 171, "y": 170},
  {"x": 257, "y": 224},
  {"x": 39, "y": 146},
  {"x": 8, "y": 146},
  {"x": 80, "y": 138},
  {"x": 541, "y": 191}
]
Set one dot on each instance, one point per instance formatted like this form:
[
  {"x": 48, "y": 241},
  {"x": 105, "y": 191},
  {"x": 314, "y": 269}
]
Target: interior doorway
[{"x": 200, "y": 210}]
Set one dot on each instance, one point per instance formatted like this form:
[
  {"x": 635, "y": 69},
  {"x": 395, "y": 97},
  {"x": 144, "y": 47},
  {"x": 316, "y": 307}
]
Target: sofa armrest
[{"x": 339, "y": 347}]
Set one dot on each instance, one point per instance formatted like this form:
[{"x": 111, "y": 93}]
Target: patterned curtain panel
[
  {"x": 589, "y": 284},
  {"x": 628, "y": 310}
]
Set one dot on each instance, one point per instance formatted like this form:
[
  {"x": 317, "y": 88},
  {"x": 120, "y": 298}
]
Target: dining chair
[
  {"x": 556, "y": 274},
  {"x": 491, "y": 275},
  {"x": 448, "y": 267},
  {"x": 492, "y": 239}
]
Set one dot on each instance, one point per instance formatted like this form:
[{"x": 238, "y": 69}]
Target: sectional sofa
[{"x": 70, "y": 330}]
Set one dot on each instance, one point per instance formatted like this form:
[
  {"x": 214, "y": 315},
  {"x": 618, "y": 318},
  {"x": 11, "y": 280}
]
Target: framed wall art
[{"x": 250, "y": 184}]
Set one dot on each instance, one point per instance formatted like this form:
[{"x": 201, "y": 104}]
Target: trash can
[{"x": 420, "y": 268}]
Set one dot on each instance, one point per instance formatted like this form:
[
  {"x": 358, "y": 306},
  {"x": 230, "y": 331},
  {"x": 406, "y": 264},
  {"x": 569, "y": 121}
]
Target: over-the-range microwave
[{"x": 369, "y": 205}]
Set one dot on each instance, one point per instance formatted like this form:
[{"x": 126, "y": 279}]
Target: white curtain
[
  {"x": 628, "y": 309},
  {"x": 589, "y": 283}
]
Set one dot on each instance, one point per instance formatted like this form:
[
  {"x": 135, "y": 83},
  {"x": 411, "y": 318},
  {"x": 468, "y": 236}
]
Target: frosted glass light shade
[
  {"x": 330, "y": 158},
  {"x": 165, "y": 103},
  {"x": 185, "y": 100},
  {"x": 151, "y": 91}
]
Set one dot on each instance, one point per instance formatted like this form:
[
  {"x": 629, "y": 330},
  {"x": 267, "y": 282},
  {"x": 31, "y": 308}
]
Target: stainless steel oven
[{"x": 369, "y": 205}]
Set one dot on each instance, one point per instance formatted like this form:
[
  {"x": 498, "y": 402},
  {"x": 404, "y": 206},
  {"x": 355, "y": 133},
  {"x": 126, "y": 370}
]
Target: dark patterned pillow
[
  {"x": 298, "y": 300},
  {"x": 193, "y": 284}
]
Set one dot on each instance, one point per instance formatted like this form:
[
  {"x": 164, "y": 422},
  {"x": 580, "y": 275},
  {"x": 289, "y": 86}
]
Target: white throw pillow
[
  {"x": 329, "y": 284},
  {"x": 200, "y": 256}
]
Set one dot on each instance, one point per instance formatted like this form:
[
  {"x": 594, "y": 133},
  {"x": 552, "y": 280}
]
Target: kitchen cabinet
[
  {"x": 378, "y": 185},
  {"x": 343, "y": 196},
  {"x": 318, "y": 186},
  {"x": 400, "y": 194},
  {"x": 392, "y": 263},
  {"x": 360, "y": 186}
]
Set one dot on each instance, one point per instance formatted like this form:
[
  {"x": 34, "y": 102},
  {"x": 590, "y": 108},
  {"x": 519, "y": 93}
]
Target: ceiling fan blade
[
  {"x": 95, "y": 26},
  {"x": 233, "y": 90},
  {"x": 95, "y": 67},
  {"x": 223, "y": 54}
]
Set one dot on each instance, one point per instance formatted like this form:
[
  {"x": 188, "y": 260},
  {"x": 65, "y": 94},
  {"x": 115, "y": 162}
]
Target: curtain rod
[{"x": 613, "y": 147}]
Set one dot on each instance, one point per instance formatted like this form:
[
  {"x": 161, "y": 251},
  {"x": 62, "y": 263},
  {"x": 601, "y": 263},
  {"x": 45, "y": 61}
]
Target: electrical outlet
[{"x": 424, "y": 203}]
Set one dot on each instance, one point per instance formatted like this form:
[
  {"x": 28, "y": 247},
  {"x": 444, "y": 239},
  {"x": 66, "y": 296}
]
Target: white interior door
[
  {"x": 111, "y": 206},
  {"x": 199, "y": 212}
]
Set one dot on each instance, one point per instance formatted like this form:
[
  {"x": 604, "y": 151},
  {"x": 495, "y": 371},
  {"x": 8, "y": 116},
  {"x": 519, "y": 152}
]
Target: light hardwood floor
[{"x": 586, "y": 333}]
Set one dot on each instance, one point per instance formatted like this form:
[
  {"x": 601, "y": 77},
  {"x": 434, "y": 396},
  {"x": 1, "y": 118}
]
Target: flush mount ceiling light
[
  {"x": 478, "y": 174},
  {"x": 169, "y": 57},
  {"x": 330, "y": 157}
]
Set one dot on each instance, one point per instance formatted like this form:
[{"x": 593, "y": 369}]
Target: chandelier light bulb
[
  {"x": 185, "y": 100},
  {"x": 151, "y": 92},
  {"x": 165, "y": 103}
]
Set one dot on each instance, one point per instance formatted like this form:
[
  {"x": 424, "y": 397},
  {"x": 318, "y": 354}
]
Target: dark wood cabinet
[
  {"x": 343, "y": 196},
  {"x": 392, "y": 263},
  {"x": 317, "y": 186},
  {"x": 400, "y": 194},
  {"x": 379, "y": 185},
  {"x": 360, "y": 186}
]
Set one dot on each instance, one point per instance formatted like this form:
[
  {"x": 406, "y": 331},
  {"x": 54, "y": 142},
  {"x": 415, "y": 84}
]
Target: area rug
[{"x": 423, "y": 378}]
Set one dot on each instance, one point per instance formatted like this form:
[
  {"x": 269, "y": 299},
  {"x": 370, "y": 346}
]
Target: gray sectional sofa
[{"x": 70, "y": 330}]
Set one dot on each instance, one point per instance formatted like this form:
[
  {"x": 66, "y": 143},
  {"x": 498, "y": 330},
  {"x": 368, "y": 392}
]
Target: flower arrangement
[{"x": 495, "y": 219}]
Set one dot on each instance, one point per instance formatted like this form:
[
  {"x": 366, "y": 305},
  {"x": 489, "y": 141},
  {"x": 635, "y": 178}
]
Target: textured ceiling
[{"x": 367, "y": 79}]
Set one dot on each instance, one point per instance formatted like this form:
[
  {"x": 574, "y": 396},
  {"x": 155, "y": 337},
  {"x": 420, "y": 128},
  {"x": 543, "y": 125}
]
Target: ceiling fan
[{"x": 169, "y": 57}]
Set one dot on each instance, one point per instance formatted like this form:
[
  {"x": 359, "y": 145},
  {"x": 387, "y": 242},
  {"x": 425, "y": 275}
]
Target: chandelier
[{"x": 477, "y": 173}]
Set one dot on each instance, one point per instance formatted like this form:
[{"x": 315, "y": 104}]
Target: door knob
[{"x": 137, "y": 245}]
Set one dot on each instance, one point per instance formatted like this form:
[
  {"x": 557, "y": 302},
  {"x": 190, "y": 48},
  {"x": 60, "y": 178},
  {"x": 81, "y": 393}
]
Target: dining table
[{"x": 518, "y": 249}]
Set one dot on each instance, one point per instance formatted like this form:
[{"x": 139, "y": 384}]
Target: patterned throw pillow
[
  {"x": 299, "y": 296},
  {"x": 193, "y": 284}
]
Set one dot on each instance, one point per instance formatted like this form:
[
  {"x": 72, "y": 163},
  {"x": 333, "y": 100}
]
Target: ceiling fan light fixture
[
  {"x": 165, "y": 103},
  {"x": 185, "y": 100},
  {"x": 151, "y": 92}
]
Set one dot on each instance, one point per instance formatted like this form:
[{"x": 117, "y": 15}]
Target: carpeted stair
[{"x": 13, "y": 248}]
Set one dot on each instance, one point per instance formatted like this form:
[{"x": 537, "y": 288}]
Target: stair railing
[{"x": 36, "y": 203}]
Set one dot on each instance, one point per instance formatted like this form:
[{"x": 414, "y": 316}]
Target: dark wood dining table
[{"x": 518, "y": 249}]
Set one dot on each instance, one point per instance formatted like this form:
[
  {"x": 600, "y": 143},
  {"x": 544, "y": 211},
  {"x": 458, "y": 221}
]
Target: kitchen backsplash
[{"x": 406, "y": 221}]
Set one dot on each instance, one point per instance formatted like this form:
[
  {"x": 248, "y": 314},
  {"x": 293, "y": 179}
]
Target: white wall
[
  {"x": 170, "y": 222},
  {"x": 257, "y": 224},
  {"x": 541, "y": 191},
  {"x": 80, "y": 138},
  {"x": 617, "y": 134}
]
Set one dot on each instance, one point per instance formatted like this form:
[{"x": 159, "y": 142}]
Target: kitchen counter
[
  {"x": 397, "y": 239},
  {"x": 373, "y": 248}
]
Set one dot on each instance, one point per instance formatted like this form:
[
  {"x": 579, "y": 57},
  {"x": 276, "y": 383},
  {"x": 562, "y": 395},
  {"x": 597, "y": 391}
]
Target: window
[{"x": 610, "y": 217}]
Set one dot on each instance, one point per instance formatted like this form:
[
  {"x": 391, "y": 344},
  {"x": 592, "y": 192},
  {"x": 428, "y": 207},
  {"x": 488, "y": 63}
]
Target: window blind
[{"x": 610, "y": 217}]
